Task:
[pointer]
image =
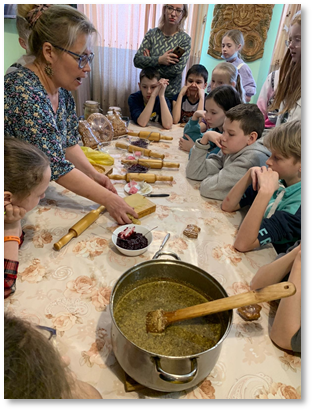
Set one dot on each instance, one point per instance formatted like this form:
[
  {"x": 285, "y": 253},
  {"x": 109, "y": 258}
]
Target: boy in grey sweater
[{"x": 241, "y": 149}]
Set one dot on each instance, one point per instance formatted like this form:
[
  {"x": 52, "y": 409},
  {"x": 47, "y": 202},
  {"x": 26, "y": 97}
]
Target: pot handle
[
  {"x": 156, "y": 256},
  {"x": 173, "y": 378}
]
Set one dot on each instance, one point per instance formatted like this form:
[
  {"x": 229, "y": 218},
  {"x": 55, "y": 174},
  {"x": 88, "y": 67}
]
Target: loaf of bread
[
  {"x": 191, "y": 231},
  {"x": 250, "y": 312}
]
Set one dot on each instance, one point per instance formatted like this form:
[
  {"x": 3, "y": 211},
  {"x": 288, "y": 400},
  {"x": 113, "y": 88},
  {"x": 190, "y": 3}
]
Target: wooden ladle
[{"x": 158, "y": 320}]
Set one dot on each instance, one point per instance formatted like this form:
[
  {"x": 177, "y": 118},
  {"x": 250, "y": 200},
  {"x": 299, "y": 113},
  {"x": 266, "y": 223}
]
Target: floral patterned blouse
[{"x": 28, "y": 115}]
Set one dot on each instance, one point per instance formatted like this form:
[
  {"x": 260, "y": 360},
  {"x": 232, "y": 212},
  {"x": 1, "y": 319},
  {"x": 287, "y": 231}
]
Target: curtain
[
  {"x": 121, "y": 29},
  {"x": 280, "y": 48}
]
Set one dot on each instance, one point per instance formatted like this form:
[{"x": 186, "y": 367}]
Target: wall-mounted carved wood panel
[{"x": 252, "y": 20}]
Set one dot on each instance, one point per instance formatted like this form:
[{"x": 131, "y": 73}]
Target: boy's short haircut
[
  {"x": 249, "y": 116},
  {"x": 286, "y": 139},
  {"x": 199, "y": 70},
  {"x": 150, "y": 72}
]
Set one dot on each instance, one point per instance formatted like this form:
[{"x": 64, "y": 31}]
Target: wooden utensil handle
[
  {"x": 170, "y": 164},
  {"x": 79, "y": 227},
  {"x": 272, "y": 292},
  {"x": 130, "y": 133},
  {"x": 156, "y": 155},
  {"x": 121, "y": 145},
  {"x": 65, "y": 240},
  {"x": 164, "y": 178},
  {"x": 117, "y": 177},
  {"x": 166, "y": 138}
]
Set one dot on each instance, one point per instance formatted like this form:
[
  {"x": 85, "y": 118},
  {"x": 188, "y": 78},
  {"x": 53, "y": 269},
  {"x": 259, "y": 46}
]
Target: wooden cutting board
[{"x": 141, "y": 204}]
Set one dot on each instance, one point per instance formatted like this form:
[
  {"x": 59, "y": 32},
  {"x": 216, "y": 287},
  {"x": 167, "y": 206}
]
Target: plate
[{"x": 127, "y": 189}]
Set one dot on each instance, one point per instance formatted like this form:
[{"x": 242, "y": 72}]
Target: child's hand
[
  {"x": 201, "y": 92},
  {"x": 146, "y": 53},
  {"x": 12, "y": 220},
  {"x": 198, "y": 114},
  {"x": 163, "y": 85},
  {"x": 263, "y": 178},
  {"x": 211, "y": 137},
  {"x": 267, "y": 179},
  {"x": 186, "y": 145},
  {"x": 184, "y": 90},
  {"x": 13, "y": 214},
  {"x": 156, "y": 90}
]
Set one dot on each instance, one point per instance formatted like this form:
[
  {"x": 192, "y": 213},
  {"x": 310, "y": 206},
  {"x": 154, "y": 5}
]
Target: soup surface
[{"x": 180, "y": 338}]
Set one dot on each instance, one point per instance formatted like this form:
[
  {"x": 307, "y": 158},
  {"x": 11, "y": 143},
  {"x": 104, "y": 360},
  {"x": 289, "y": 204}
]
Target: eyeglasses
[
  {"x": 177, "y": 11},
  {"x": 296, "y": 41},
  {"x": 82, "y": 59},
  {"x": 50, "y": 333}
]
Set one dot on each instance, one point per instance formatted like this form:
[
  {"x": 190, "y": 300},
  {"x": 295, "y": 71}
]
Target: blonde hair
[
  {"x": 288, "y": 90},
  {"x": 236, "y": 36},
  {"x": 234, "y": 76},
  {"x": 286, "y": 139},
  {"x": 59, "y": 25},
  {"x": 185, "y": 14}
]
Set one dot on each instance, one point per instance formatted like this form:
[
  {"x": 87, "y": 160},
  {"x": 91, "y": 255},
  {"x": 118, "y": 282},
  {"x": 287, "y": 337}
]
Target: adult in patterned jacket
[{"x": 158, "y": 44}]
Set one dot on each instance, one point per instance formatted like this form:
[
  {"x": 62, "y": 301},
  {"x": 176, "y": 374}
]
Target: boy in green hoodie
[{"x": 274, "y": 194}]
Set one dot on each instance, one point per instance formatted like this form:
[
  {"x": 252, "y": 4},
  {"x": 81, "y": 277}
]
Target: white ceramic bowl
[{"x": 138, "y": 229}]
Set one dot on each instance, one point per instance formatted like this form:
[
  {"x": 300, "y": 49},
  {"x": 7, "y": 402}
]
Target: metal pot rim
[{"x": 149, "y": 262}]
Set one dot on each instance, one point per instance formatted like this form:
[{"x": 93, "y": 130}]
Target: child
[
  {"x": 227, "y": 73},
  {"x": 240, "y": 150},
  {"x": 286, "y": 328},
  {"x": 26, "y": 177},
  {"x": 232, "y": 43},
  {"x": 285, "y": 104},
  {"x": 24, "y": 31},
  {"x": 150, "y": 103},
  {"x": 33, "y": 369},
  {"x": 275, "y": 212},
  {"x": 191, "y": 96},
  {"x": 217, "y": 103}
]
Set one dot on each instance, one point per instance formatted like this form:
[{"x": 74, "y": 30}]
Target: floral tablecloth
[{"x": 69, "y": 290}]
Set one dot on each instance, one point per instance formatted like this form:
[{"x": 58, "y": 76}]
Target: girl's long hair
[{"x": 288, "y": 90}]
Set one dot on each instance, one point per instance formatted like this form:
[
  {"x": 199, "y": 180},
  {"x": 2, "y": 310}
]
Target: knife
[{"x": 157, "y": 195}]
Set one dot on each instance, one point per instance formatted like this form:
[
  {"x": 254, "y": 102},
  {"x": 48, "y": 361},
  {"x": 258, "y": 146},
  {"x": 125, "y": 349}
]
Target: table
[{"x": 69, "y": 290}]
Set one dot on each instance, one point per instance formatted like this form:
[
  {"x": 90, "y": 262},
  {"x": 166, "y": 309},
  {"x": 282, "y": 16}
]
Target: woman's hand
[
  {"x": 118, "y": 209},
  {"x": 168, "y": 58},
  {"x": 104, "y": 181},
  {"x": 146, "y": 53}
]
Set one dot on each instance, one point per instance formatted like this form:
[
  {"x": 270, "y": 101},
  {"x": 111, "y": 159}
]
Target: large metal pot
[{"x": 159, "y": 372}]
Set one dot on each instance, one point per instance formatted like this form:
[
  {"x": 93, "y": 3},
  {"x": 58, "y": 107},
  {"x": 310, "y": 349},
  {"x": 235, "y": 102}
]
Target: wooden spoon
[{"x": 158, "y": 320}]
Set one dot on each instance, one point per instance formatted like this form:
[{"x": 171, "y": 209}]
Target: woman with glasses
[
  {"x": 280, "y": 96},
  {"x": 158, "y": 44},
  {"x": 39, "y": 108}
]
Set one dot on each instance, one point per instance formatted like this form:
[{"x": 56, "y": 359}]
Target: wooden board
[
  {"x": 107, "y": 170},
  {"x": 141, "y": 204}
]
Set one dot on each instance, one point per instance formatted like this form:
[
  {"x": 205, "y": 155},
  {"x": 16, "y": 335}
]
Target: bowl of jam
[{"x": 132, "y": 240}]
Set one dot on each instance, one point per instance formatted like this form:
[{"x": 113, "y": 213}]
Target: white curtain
[{"x": 121, "y": 29}]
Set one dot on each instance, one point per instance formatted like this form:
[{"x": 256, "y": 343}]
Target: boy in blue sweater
[
  {"x": 275, "y": 212},
  {"x": 150, "y": 103}
]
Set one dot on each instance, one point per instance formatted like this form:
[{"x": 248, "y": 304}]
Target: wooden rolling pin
[
  {"x": 150, "y": 136},
  {"x": 151, "y": 163},
  {"x": 79, "y": 227},
  {"x": 146, "y": 152},
  {"x": 139, "y": 177}
]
